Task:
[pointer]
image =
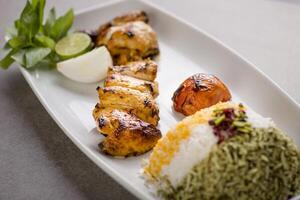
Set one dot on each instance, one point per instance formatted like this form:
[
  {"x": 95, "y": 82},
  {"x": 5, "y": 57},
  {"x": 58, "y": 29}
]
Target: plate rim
[{"x": 105, "y": 167}]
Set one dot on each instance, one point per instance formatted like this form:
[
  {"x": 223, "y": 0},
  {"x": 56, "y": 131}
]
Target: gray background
[{"x": 37, "y": 161}]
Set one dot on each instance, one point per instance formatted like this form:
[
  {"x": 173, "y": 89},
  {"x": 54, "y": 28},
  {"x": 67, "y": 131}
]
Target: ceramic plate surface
[{"x": 185, "y": 50}]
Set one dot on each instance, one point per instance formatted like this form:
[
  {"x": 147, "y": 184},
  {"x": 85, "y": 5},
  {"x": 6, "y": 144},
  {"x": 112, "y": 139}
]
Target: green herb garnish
[{"x": 31, "y": 41}]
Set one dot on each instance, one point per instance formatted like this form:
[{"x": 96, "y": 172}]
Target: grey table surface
[{"x": 37, "y": 160}]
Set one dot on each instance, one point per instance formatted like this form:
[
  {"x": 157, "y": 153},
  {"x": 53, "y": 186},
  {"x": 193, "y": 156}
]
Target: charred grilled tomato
[{"x": 199, "y": 91}]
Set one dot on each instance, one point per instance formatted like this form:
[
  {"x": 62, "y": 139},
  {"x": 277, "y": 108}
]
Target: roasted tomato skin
[{"x": 199, "y": 91}]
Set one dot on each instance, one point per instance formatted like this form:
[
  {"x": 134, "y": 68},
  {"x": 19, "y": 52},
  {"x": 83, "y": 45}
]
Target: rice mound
[{"x": 263, "y": 164}]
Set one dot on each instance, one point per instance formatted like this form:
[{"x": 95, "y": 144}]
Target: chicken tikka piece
[
  {"x": 126, "y": 135},
  {"x": 129, "y": 38}
]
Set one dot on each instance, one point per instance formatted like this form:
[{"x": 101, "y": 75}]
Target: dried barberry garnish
[{"x": 229, "y": 122}]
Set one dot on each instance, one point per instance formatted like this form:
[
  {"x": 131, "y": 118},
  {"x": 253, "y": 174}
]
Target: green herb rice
[{"x": 261, "y": 164}]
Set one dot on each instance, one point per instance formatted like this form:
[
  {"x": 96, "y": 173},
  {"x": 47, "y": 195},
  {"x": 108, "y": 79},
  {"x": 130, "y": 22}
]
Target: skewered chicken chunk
[
  {"x": 145, "y": 70},
  {"x": 137, "y": 15},
  {"x": 135, "y": 102},
  {"x": 128, "y": 38},
  {"x": 120, "y": 20},
  {"x": 127, "y": 113},
  {"x": 125, "y": 134},
  {"x": 132, "y": 83},
  {"x": 99, "y": 114}
]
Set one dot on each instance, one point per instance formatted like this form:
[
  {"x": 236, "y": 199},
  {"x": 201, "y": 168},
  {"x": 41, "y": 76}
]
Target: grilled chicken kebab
[
  {"x": 125, "y": 133},
  {"x": 133, "y": 101},
  {"x": 140, "y": 69},
  {"x": 127, "y": 114},
  {"x": 128, "y": 38}
]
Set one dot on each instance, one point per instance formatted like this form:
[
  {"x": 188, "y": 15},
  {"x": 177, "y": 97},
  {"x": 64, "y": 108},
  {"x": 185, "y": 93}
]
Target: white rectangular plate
[{"x": 185, "y": 50}]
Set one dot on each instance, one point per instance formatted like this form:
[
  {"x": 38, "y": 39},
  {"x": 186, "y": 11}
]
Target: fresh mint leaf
[
  {"x": 19, "y": 57},
  {"x": 41, "y": 11},
  {"x": 10, "y": 33},
  {"x": 62, "y": 25},
  {"x": 7, "y": 60},
  {"x": 22, "y": 29},
  {"x": 36, "y": 54},
  {"x": 50, "y": 21},
  {"x": 6, "y": 46},
  {"x": 45, "y": 41},
  {"x": 17, "y": 42},
  {"x": 27, "y": 9},
  {"x": 34, "y": 3},
  {"x": 30, "y": 21},
  {"x": 28, "y": 24}
]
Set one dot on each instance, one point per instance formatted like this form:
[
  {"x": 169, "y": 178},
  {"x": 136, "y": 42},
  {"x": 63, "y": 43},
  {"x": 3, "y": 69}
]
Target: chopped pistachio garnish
[
  {"x": 229, "y": 122},
  {"x": 218, "y": 120}
]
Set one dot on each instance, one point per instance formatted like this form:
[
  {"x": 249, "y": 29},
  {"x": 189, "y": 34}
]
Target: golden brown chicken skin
[
  {"x": 135, "y": 102},
  {"x": 132, "y": 83},
  {"x": 136, "y": 15},
  {"x": 126, "y": 135},
  {"x": 199, "y": 91},
  {"x": 100, "y": 115},
  {"x": 145, "y": 70},
  {"x": 129, "y": 38}
]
